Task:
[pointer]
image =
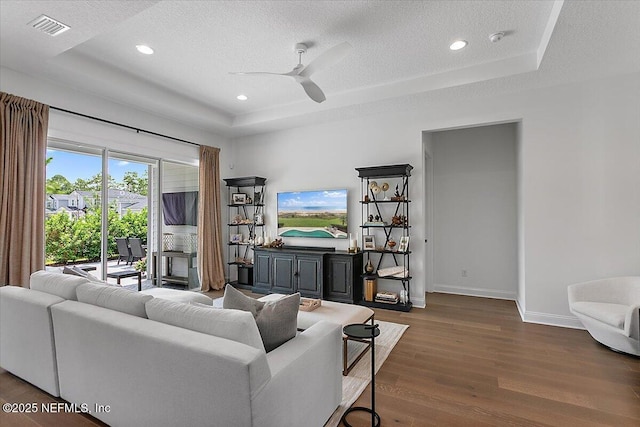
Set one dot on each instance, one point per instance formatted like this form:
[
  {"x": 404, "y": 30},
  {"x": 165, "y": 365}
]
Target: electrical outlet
[{"x": 464, "y": 273}]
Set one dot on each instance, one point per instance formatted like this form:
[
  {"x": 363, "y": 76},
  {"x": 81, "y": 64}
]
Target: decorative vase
[{"x": 369, "y": 267}]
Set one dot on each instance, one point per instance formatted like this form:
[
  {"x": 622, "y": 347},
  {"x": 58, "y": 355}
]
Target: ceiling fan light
[
  {"x": 458, "y": 44},
  {"x": 143, "y": 48},
  {"x": 242, "y": 97}
]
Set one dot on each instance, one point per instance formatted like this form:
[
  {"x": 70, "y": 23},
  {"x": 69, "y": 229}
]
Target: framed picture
[
  {"x": 404, "y": 244},
  {"x": 236, "y": 238},
  {"x": 238, "y": 199},
  {"x": 369, "y": 242},
  {"x": 258, "y": 219}
]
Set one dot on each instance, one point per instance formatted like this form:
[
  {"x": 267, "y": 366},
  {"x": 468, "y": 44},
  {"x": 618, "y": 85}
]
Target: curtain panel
[
  {"x": 23, "y": 148},
  {"x": 210, "y": 259}
]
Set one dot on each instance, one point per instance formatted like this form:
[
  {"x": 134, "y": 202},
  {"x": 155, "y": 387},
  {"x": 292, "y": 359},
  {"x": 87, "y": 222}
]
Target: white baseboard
[
  {"x": 552, "y": 320},
  {"x": 526, "y": 316},
  {"x": 475, "y": 292},
  {"x": 419, "y": 302}
]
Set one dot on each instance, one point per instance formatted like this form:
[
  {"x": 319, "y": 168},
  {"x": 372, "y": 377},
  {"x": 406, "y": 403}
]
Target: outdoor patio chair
[
  {"x": 124, "y": 253},
  {"x": 137, "y": 251}
]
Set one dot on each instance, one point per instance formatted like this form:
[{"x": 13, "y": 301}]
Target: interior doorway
[{"x": 471, "y": 210}]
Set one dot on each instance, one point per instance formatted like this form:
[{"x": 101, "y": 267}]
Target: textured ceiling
[{"x": 400, "y": 49}]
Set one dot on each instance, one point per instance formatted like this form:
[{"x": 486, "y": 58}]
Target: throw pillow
[{"x": 277, "y": 320}]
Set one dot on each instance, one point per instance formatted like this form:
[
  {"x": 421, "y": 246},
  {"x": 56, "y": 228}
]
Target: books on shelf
[{"x": 387, "y": 297}]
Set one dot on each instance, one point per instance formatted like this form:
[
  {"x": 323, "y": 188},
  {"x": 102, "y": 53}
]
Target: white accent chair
[{"x": 610, "y": 310}]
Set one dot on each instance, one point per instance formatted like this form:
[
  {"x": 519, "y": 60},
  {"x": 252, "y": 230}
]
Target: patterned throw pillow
[{"x": 277, "y": 320}]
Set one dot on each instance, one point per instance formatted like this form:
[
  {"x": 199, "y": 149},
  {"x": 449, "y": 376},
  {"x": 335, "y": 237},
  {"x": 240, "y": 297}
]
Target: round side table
[{"x": 364, "y": 331}]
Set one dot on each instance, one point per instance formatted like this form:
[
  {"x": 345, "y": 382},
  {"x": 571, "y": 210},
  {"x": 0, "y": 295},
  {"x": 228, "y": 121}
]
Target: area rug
[{"x": 360, "y": 376}]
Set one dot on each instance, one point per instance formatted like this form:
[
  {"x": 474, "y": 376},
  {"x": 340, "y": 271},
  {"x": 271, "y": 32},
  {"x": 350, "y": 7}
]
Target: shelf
[
  {"x": 237, "y": 205},
  {"x": 246, "y": 181},
  {"x": 373, "y": 202},
  {"x": 386, "y": 251},
  {"x": 385, "y": 226},
  {"x": 375, "y": 276},
  {"x": 240, "y": 264},
  {"x": 388, "y": 171},
  {"x": 246, "y": 223},
  {"x": 397, "y": 307}
]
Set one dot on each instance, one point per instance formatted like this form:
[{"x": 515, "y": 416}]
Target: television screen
[
  {"x": 180, "y": 208},
  {"x": 320, "y": 214}
]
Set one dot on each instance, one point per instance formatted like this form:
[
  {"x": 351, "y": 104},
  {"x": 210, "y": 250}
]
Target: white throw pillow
[{"x": 233, "y": 325}]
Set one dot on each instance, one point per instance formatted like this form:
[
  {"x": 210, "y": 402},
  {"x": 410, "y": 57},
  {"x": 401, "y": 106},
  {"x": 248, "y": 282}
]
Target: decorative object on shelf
[
  {"x": 259, "y": 240},
  {"x": 257, "y": 197},
  {"x": 276, "y": 243},
  {"x": 366, "y": 198},
  {"x": 190, "y": 243},
  {"x": 369, "y": 288},
  {"x": 397, "y": 197},
  {"x": 168, "y": 242},
  {"x": 404, "y": 244},
  {"x": 375, "y": 190},
  {"x": 387, "y": 297},
  {"x": 238, "y": 199},
  {"x": 391, "y": 243},
  {"x": 369, "y": 267},
  {"x": 235, "y": 238},
  {"x": 385, "y": 187},
  {"x": 369, "y": 242},
  {"x": 259, "y": 219},
  {"x": 397, "y": 271},
  {"x": 403, "y": 296}
]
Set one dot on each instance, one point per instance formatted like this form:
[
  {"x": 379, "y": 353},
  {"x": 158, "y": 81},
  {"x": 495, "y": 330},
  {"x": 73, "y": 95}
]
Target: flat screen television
[
  {"x": 180, "y": 208},
  {"x": 321, "y": 214}
]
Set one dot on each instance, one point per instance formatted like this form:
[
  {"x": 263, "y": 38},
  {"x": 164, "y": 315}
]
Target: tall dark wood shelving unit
[
  {"x": 251, "y": 186},
  {"x": 397, "y": 205}
]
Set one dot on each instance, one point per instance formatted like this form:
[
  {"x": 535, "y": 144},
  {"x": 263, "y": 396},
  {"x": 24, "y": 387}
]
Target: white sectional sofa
[{"x": 96, "y": 346}]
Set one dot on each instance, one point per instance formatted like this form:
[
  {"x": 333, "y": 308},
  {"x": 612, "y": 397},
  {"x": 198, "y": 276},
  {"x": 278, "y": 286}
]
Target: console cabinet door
[
  {"x": 309, "y": 275},
  {"x": 262, "y": 272},
  {"x": 342, "y": 281},
  {"x": 283, "y": 267}
]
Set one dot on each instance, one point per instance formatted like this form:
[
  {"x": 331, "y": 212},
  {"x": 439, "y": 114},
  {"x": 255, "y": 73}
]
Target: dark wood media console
[{"x": 314, "y": 272}]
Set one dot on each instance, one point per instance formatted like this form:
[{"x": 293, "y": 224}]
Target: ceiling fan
[{"x": 302, "y": 74}]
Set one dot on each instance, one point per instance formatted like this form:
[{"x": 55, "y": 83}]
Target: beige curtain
[
  {"x": 210, "y": 261},
  {"x": 23, "y": 148}
]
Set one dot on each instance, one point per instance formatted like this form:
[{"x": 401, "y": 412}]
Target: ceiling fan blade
[
  {"x": 312, "y": 89},
  {"x": 253, "y": 73},
  {"x": 326, "y": 59}
]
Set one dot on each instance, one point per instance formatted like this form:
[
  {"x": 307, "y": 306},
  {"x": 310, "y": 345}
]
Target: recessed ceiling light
[
  {"x": 143, "y": 48},
  {"x": 458, "y": 44},
  {"x": 242, "y": 97}
]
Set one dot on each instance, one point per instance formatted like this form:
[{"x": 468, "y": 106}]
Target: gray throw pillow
[{"x": 277, "y": 320}]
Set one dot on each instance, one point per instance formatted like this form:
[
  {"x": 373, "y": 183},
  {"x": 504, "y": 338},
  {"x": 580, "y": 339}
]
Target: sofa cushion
[
  {"x": 611, "y": 314},
  {"x": 178, "y": 295},
  {"x": 114, "y": 298},
  {"x": 235, "y": 325},
  {"x": 276, "y": 320},
  {"x": 62, "y": 285}
]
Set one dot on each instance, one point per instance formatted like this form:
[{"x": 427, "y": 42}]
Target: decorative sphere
[
  {"x": 385, "y": 186},
  {"x": 372, "y": 184},
  {"x": 375, "y": 189}
]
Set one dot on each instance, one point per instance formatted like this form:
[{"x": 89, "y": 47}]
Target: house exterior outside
[{"x": 76, "y": 203}]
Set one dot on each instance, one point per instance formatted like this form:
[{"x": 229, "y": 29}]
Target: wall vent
[{"x": 48, "y": 25}]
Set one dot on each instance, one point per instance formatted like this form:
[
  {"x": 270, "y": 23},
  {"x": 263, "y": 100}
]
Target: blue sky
[
  {"x": 330, "y": 199},
  {"x": 75, "y": 165}
]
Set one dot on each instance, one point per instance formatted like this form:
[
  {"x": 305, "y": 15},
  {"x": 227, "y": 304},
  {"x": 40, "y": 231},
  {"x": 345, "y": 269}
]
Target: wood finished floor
[{"x": 465, "y": 361}]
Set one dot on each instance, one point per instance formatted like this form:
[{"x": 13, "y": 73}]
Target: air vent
[{"x": 48, "y": 25}]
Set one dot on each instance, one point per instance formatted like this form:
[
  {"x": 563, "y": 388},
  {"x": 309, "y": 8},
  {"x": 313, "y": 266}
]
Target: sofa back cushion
[
  {"x": 234, "y": 325},
  {"x": 114, "y": 298},
  {"x": 277, "y": 320},
  {"x": 62, "y": 285}
]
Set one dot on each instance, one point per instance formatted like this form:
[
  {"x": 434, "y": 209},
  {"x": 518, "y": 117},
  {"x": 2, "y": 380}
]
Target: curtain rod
[{"x": 124, "y": 126}]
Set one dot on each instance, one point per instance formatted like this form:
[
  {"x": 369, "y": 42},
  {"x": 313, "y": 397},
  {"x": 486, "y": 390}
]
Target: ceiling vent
[{"x": 48, "y": 25}]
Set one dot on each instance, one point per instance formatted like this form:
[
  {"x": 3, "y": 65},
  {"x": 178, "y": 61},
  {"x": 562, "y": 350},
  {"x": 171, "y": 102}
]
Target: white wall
[
  {"x": 579, "y": 153},
  {"x": 475, "y": 207}
]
